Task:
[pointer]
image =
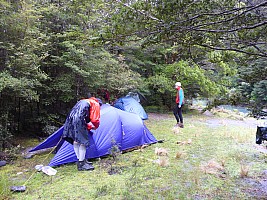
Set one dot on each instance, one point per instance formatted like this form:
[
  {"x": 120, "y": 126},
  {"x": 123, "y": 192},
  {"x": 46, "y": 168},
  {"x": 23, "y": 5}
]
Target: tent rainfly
[{"x": 131, "y": 105}]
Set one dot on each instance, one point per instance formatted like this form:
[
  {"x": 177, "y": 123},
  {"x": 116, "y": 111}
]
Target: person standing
[
  {"x": 83, "y": 117},
  {"x": 177, "y": 111}
]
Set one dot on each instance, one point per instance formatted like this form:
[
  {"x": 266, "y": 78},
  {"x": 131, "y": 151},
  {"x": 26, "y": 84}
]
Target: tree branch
[
  {"x": 233, "y": 49},
  {"x": 139, "y": 11},
  {"x": 232, "y": 30},
  {"x": 228, "y": 12}
]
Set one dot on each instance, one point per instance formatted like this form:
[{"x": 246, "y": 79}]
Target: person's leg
[
  {"x": 175, "y": 113},
  {"x": 76, "y": 146},
  {"x": 82, "y": 152},
  {"x": 181, "y": 117},
  {"x": 82, "y": 164}
]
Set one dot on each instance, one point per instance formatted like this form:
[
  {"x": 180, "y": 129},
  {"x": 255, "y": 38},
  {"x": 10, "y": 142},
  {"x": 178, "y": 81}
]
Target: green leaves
[
  {"x": 259, "y": 93},
  {"x": 22, "y": 87},
  {"x": 194, "y": 79},
  {"x": 53, "y": 53}
]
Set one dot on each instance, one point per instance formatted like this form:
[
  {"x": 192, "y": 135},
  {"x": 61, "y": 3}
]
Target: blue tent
[
  {"x": 117, "y": 127},
  {"x": 130, "y": 104},
  {"x": 51, "y": 141}
]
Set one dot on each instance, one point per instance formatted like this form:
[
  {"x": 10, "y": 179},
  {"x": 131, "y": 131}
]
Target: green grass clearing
[{"x": 203, "y": 162}]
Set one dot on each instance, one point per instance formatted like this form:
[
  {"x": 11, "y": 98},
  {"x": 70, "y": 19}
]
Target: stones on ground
[
  {"x": 2, "y": 163},
  {"x": 21, "y": 188},
  {"x": 28, "y": 155},
  {"x": 208, "y": 113}
]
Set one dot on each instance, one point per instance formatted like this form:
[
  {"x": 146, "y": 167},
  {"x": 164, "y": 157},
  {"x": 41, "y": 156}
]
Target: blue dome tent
[
  {"x": 117, "y": 127},
  {"x": 130, "y": 104}
]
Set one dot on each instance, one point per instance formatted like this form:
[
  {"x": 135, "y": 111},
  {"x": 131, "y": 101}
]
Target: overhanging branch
[
  {"x": 230, "y": 30},
  {"x": 234, "y": 49},
  {"x": 139, "y": 11}
]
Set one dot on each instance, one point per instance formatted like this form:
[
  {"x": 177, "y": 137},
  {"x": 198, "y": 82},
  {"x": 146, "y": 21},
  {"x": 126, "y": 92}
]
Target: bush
[{"x": 156, "y": 109}]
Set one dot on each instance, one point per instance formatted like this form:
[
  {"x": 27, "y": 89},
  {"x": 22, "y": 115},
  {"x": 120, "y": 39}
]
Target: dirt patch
[
  {"x": 262, "y": 148},
  {"x": 215, "y": 122},
  {"x": 212, "y": 121},
  {"x": 159, "y": 116},
  {"x": 256, "y": 188}
]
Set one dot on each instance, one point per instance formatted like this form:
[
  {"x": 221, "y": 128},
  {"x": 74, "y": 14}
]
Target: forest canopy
[{"x": 53, "y": 52}]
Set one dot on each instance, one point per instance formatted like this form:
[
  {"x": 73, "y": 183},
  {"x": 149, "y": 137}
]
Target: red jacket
[{"x": 94, "y": 113}]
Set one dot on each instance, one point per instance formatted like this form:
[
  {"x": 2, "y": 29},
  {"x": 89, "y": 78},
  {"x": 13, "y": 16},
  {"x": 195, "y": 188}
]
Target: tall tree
[
  {"x": 252, "y": 84},
  {"x": 21, "y": 50},
  {"x": 218, "y": 25},
  {"x": 209, "y": 34}
]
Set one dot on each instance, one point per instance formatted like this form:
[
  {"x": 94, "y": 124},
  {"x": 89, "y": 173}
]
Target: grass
[{"x": 202, "y": 162}]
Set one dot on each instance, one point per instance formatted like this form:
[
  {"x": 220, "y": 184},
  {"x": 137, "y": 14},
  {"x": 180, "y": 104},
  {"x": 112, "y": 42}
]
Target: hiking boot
[
  {"x": 84, "y": 166},
  {"x": 176, "y": 125},
  {"x": 181, "y": 125},
  {"x": 87, "y": 161}
]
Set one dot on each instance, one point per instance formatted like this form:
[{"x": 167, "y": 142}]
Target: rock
[
  {"x": 208, "y": 113},
  {"x": 2, "y": 163},
  {"x": 264, "y": 173},
  {"x": 28, "y": 155},
  {"x": 18, "y": 188}
]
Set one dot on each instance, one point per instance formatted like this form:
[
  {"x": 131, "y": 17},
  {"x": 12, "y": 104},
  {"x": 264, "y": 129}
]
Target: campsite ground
[{"x": 213, "y": 157}]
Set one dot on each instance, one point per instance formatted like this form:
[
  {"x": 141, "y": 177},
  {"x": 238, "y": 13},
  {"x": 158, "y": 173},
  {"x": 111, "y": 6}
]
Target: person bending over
[{"x": 83, "y": 117}]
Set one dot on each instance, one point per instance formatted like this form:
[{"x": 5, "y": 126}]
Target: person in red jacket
[
  {"x": 83, "y": 117},
  {"x": 177, "y": 111}
]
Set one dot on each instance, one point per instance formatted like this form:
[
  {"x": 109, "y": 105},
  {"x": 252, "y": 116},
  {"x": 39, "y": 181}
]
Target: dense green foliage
[
  {"x": 253, "y": 83},
  {"x": 53, "y": 52}
]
